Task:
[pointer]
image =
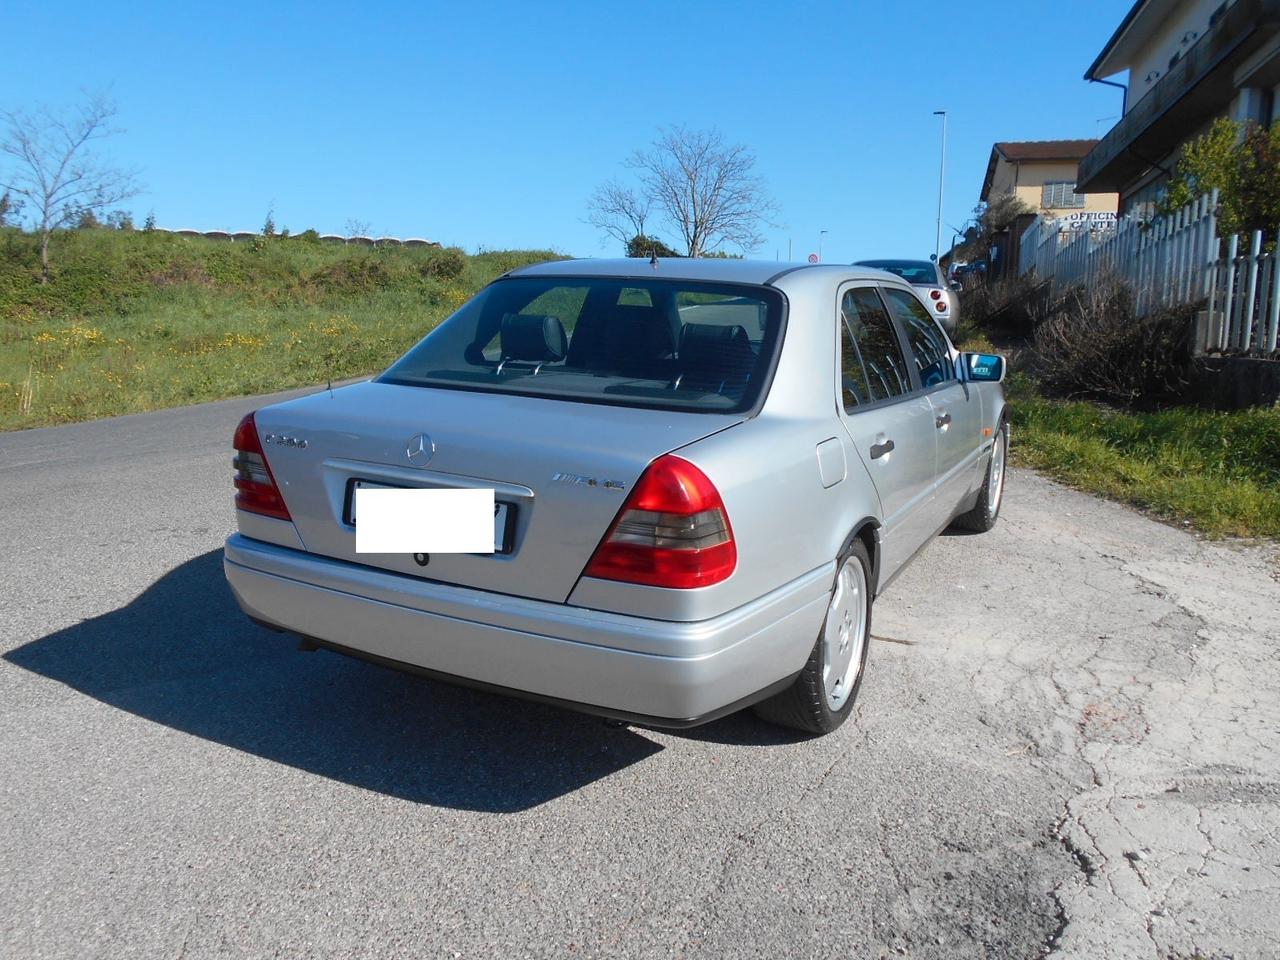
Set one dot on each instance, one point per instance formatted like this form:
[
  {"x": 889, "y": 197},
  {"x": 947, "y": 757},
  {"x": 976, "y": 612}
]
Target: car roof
[{"x": 690, "y": 268}]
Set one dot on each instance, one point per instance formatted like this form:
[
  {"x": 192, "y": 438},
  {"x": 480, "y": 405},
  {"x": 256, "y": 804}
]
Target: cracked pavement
[{"x": 1065, "y": 745}]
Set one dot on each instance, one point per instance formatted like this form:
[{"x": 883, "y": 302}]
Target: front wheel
[
  {"x": 986, "y": 511},
  {"x": 823, "y": 694}
]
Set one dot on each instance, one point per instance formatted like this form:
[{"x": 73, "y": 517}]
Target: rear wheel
[
  {"x": 986, "y": 511},
  {"x": 823, "y": 694}
]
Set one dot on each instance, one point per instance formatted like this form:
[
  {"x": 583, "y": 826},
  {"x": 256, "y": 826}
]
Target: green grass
[
  {"x": 1218, "y": 471},
  {"x": 141, "y": 321}
]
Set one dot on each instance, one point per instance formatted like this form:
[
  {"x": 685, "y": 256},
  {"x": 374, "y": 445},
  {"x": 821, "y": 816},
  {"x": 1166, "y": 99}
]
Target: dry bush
[
  {"x": 1013, "y": 304},
  {"x": 1092, "y": 345}
]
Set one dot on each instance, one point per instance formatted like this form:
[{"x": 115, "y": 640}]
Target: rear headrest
[
  {"x": 642, "y": 331},
  {"x": 540, "y": 339},
  {"x": 715, "y": 357},
  {"x": 712, "y": 339}
]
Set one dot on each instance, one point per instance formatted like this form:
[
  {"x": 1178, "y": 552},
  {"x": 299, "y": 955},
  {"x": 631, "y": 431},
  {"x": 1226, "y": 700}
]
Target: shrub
[
  {"x": 444, "y": 263},
  {"x": 353, "y": 274},
  {"x": 642, "y": 246},
  {"x": 1093, "y": 346}
]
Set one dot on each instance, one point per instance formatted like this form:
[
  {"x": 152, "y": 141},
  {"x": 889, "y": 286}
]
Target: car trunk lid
[{"x": 564, "y": 468}]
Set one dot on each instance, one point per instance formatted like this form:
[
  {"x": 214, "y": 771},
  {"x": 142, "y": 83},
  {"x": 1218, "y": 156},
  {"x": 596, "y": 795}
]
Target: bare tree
[
  {"x": 618, "y": 211},
  {"x": 54, "y": 170},
  {"x": 706, "y": 189},
  {"x": 358, "y": 228}
]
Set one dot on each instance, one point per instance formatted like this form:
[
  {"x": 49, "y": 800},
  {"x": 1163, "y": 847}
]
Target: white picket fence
[{"x": 1177, "y": 260}]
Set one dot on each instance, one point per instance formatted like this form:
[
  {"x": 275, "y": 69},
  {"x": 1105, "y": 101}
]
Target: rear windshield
[
  {"x": 912, "y": 271},
  {"x": 637, "y": 342}
]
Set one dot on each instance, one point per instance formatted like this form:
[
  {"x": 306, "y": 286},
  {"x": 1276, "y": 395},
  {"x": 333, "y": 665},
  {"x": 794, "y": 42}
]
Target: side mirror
[
  {"x": 957, "y": 286},
  {"x": 983, "y": 367}
]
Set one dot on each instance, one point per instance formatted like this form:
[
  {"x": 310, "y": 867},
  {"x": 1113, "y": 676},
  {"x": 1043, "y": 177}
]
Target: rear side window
[
  {"x": 929, "y": 347},
  {"x": 651, "y": 343},
  {"x": 872, "y": 367}
]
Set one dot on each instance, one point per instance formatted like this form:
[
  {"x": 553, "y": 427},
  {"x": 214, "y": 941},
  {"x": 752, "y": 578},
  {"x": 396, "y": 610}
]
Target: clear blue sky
[{"x": 483, "y": 124}]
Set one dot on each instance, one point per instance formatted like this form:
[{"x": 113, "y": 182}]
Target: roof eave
[{"x": 1093, "y": 72}]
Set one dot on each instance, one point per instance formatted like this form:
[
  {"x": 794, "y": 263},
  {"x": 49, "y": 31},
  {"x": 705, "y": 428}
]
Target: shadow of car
[{"x": 180, "y": 654}]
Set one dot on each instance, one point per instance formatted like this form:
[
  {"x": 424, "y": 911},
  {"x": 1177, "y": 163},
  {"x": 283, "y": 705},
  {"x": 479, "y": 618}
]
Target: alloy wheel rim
[
  {"x": 845, "y": 633},
  {"x": 997, "y": 473}
]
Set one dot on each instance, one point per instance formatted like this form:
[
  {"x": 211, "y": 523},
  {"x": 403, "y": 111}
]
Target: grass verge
[
  {"x": 1216, "y": 471},
  {"x": 142, "y": 321}
]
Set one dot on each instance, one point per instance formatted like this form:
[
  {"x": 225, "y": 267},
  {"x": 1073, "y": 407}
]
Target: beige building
[
  {"x": 1181, "y": 64},
  {"x": 1042, "y": 174}
]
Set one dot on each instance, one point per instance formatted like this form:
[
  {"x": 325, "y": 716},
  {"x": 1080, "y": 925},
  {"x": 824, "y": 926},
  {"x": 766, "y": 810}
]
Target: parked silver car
[
  {"x": 927, "y": 277},
  {"x": 706, "y": 470}
]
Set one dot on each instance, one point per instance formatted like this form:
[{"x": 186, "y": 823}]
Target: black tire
[
  {"x": 804, "y": 705},
  {"x": 986, "y": 511}
]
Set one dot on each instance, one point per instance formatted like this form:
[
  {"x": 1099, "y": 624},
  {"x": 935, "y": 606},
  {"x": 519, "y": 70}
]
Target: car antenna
[{"x": 653, "y": 258}]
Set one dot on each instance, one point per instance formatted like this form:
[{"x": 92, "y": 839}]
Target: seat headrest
[
  {"x": 643, "y": 330},
  {"x": 532, "y": 337},
  {"x": 713, "y": 338}
]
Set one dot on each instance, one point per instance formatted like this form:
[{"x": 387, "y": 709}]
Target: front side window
[
  {"x": 929, "y": 348},
  {"x": 675, "y": 344},
  {"x": 872, "y": 367}
]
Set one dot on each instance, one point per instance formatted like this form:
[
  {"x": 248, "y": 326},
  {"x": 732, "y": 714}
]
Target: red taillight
[
  {"x": 935, "y": 294},
  {"x": 941, "y": 306},
  {"x": 256, "y": 489},
  {"x": 673, "y": 531}
]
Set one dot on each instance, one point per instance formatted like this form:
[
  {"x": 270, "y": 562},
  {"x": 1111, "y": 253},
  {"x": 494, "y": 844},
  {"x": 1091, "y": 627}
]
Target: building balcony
[{"x": 1197, "y": 87}]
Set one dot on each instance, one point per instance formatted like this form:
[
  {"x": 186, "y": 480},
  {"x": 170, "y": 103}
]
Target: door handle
[
  {"x": 943, "y": 421},
  {"x": 878, "y": 450}
]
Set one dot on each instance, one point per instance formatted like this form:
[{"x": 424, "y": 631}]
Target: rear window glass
[
  {"x": 912, "y": 271},
  {"x": 650, "y": 343}
]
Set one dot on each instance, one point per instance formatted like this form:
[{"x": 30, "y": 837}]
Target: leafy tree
[
  {"x": 120, "y": 220},
  {"x": 1240, "y": 161},
  {"x": 87, "y": 220},
  {"x": 642, "y": 246},
  {"x": 705, "y": 189},
  {"x": 269, "y": 225},
  {"x": 149, "y": 224},
  {"x": 52, "y": 168}
]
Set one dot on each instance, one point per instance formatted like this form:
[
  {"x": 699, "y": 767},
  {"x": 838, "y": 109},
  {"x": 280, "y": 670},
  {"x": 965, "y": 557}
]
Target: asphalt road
[{"x": 1066, "y": 742}]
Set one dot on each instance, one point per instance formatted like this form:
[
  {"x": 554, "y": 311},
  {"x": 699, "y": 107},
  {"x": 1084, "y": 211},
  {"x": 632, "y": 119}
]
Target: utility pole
[
  {"x": 942, "y": 175},
  {"x": 821, "y": 234}
]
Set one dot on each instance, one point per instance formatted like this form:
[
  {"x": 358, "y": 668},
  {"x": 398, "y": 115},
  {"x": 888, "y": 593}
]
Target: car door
[
  {"x": 957, "y": 406},
  {"x": 889, "y": 423}
]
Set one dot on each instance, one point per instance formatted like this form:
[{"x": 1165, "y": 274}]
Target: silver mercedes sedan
[{"x": 703, "y": 473}]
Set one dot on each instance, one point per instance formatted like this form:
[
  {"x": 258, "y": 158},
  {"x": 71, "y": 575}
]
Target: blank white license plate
[{"x": 502, "y": 514}]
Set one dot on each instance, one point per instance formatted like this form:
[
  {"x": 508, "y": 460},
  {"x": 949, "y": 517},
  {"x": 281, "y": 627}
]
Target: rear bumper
[{"x": 657, "y": 671}]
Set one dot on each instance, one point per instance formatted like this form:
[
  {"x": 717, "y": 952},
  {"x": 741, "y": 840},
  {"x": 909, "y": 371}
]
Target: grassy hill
[{"x": 137, "y": 321}]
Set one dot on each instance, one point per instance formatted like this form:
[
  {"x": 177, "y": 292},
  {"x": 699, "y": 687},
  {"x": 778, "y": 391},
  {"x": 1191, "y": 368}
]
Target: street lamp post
[
  {"x": 821, "y": 234},
  {"x": 942, "y": 173}
]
